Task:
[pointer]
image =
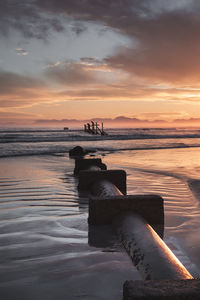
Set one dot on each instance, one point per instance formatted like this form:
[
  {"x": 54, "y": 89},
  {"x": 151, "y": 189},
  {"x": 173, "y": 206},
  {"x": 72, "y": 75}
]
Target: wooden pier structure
[{"x": 93, "y": 128}]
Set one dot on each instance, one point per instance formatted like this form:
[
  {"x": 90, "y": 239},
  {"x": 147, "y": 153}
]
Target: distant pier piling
[{"x": 94, "y": 128}]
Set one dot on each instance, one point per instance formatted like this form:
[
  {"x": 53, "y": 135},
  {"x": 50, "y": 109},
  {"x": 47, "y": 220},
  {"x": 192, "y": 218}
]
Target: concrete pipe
[
  {"x": 104, "y": 188},
  {"x": 83, "y": 164},
  {"x": 147, "y": 250},
  {"x": 150, "y": 254}
]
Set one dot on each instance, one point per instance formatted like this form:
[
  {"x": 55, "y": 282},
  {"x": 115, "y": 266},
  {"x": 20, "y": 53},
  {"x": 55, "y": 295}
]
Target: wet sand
[{"x": 47, "y": 250}]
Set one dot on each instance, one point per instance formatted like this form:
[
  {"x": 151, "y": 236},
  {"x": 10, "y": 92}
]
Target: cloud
[
  {"x": 34, "y": 18},
  {"x": 57, "y": 63},
  {"x": 71, "y": 74},
  {"x": 128, "y": 90},
  {"x": 21, "y": 51},
  {"x": 86, "y": 80},
  {"x": 168, "y": 50},
  {"x": 91, "y": 60},
  {"x": 12, "y": 114},
  {"x": 167, "y": 33},
  {"x": 78, "y": 27},
  {"x": 16, "y": 118},
  {"x": 86, "y": 72},
  {"x": 27, "y": 18},
  {"x": 21, "y": 90},
  {"x": 10, "y": 81}
]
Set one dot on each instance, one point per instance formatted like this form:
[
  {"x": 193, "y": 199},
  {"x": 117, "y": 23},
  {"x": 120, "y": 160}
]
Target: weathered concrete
[
  {"x": 83, "y": 164},
  {"x": 77, "y": 151},
  {"x": 132, "y": 222},
  {"x": 131, "y": 216},
  {"x": 102, "y": 236},
  {"x": 102, "y": 211},
  {"x": 162, "y": 290},
  {"x": 150, "y": 255},
  {"x": 88, "y": 178},
  {"x": 105, "y": 188}
]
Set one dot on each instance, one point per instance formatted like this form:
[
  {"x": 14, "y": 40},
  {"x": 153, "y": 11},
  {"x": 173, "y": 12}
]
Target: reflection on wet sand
[{"x": 44, "y": 246}]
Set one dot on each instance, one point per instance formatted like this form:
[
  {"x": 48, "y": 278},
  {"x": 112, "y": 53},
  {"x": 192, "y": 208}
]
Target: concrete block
[
  {"x": 88, "y": 178},
  {"x": 102, "y": 236},
  {"x": 77, "y": 151},
  {"x": 84, "y": 164},
  {"x": 102, "y": 211},
  {"x": 162, "y": 290}
]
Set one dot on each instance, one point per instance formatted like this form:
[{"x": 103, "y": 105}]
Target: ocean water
[
  {"x": 47, "y": 250},
  {"x": 29, "y": 141}
]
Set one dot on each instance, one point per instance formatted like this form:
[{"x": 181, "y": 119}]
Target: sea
[{"x": 47, "y": 249}]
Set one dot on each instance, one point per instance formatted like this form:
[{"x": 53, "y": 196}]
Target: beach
[{"x": 47, "y": 249}]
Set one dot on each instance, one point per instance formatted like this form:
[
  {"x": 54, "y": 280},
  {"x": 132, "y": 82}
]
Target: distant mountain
[
  {"x": 119, "y": 121},
  {"x": 126, "y": 119}
]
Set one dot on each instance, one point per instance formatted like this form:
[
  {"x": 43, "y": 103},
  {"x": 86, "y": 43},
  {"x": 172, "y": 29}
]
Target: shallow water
[
  {"x": 173, "y": 174},
  {"x": 47, "y": 250},
  {"x": 44, "y": 246}
]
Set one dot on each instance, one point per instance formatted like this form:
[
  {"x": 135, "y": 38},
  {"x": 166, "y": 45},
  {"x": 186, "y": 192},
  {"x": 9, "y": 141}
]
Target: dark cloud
[
  {"x": 27, "y": 18},
  {"x": 78, "y": 28},
  {"x": 168, "y": 51},
  {"x": 91, "y": 60},
  {"x": 18, "y": 91},
  {"x": 73, "y": 74},
  {"x": 35, "y": 17},
  {"x": 12, "y": 82},
  {"x": 128, "y": 16},
  {"x": 167, "y": 34}
]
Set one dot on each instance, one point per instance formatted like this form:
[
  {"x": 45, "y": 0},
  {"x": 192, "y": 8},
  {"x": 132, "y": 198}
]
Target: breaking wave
[{"x": 31, "y": 141}]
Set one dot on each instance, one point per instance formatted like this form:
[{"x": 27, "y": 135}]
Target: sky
[{"x": 131, "y": 61}]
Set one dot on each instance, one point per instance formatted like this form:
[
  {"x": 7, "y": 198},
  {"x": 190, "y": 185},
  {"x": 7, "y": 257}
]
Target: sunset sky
[{"x": 82, "y": 59}]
